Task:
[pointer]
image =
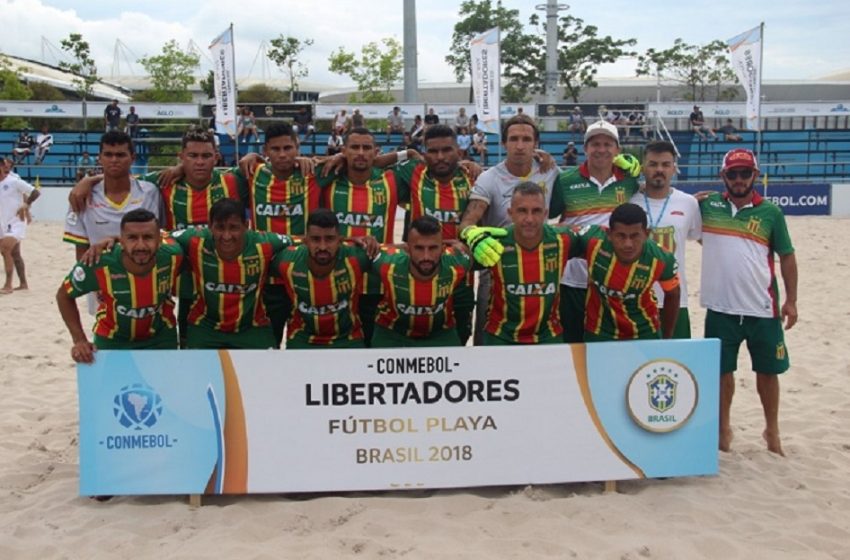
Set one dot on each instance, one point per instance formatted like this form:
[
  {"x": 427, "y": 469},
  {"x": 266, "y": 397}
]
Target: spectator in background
[
  {"x": 570, "y": 157},
  {"x": 479, "y": 146},
  {"x": 464, "y": 141},
  {"x": 697, "y": 121},
  {"x": 605, "y": 115},
  {"x": 23, "y": 146},
  {"x": 357, "y": 120},
  {"x": 395, "y": 123},
  {"x": 85, "y": 165},
  {"x": 431, "y": 118},
  {"x": 132, "y": 120},
  {"x": 417, "y": 130},
  {"x": 43, "y": 142},
  {"x": 335, "y": 142},
  {"x": 246, "y": 126},
  {"x": 303, "y": 122},
  {"x": 473, "y": 123},
  {"x": 112, "y": 116},
  {"x": 576, "y": 121},
  {"x": 342, "y": 122},
  {"x": 408, "y": 143},
  {"x": 461, "y": 120},
  {"x": 730, "y": 133}
]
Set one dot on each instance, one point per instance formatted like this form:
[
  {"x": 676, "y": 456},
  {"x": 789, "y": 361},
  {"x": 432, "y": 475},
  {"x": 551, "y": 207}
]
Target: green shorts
[
  {"x": 464, "y": 304},
  {"x": 166, "y": 339},
  {"x": 388, "y": 338},
  {"x": 298, "y": 344},
  {"x": 256, "y": 338},
  {"x": 765, "y": 341},
  {"x": 571, "y": 309},
  {"x": 492, "y": 340},
  {"x": 368, "y": 311},
  {"x": 278, "y": 308}
]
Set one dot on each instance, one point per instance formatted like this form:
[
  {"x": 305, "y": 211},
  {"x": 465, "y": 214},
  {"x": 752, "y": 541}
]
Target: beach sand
[{"x": 760, "y": 505}]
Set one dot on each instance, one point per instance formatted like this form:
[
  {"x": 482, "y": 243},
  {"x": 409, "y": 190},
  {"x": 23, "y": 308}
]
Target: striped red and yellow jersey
[
  {"x": 132, "y": 307},
  {"x": 227, "y": 293},
  {"x": 444, "y": 201},
  {"x": 621, "y": 303},
  {"x": 525, "y": 294},
  {"x": 325, "y": 309},
  {"x": 418, "y": 308},
  {"x": 364, "y": 209},
  {"x": 184, "y": 205},
  {"x": 281, "y": 205}
]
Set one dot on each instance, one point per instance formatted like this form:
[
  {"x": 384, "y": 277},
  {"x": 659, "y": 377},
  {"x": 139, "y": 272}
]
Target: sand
[{"x": 760, "y": 506}]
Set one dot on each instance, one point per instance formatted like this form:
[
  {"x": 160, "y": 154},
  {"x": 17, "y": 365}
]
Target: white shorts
[{"x": 16, "y": 228}]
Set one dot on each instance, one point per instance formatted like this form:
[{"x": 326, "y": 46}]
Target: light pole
[{"x": 551, "y": 7}]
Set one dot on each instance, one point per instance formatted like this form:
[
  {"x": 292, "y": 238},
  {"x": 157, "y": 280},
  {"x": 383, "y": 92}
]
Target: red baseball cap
[{"x": 739, "y": 157}]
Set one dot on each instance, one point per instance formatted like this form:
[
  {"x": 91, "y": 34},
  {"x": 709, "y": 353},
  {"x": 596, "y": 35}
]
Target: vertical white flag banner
[
  {"x": 221, "y": 51},
  {"x": 486, "y": 69},
  {"x": 745, "y": 50}
]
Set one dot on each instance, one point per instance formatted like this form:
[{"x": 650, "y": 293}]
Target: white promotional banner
[
  {"x": 373, "y": 111},
  {"x": 486, "y": 73},
  {"x": 745, "y": 51},
  {"x": 221, "y": 51},
  {"x": 739, "y": 110},
  {"x": 165, "y": 110},
  {"x": 41, "y": 109},
  {"x": 237, "y": 422}
]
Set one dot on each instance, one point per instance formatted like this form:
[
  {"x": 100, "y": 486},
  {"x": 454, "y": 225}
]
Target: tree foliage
[
  {"x": 261, "y": 93},
  {"x": 375, "y": 72},
  {"x": 208, "y": 84},
  {"x": 12, "y": 89},
  {"x": 83, "y": 66},
  {"x": 171, "y": 72},
  {"x": 701, "y": 69},
  {"x": 45, "y": 92},
  {"x": 284, "y": 53}
]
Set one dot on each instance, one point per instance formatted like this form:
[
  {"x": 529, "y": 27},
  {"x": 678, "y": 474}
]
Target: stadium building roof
[{"x": 33, "y": 71}]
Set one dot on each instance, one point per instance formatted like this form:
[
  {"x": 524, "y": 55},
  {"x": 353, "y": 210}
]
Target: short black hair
[
  {"x": 197, "y": 134},
  {"x": 627, "y": 214},
  {"x": 439, "y": 131},
  {"x": 521, "y": 118},
  {"x": 116, "y": 138},
  {"x": 660, "y": 147},
  {"x": 527, "y": 188},
  {"x": 426, "y": 225},
  {"x": 323, "y": 218},
  {"x": 223, "y": 209},
  {"x": 138, "y": 216},
  {"x": 358, "y": 130},
  {"x": 280, "y": 129}
]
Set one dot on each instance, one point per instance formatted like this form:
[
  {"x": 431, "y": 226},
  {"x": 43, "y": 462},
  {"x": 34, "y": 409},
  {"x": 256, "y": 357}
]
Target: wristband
[{"x": 401, "y": 156}]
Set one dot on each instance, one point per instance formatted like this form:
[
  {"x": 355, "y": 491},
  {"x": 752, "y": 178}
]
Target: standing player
[
  {"x": 586, "y": 196},
  {"x": 741, "y": 233},
  {"x": 229, "y": 265},
  {"x": 440, "y": 188},
  {"x": 624, "y": 264},
  {"x": 673, "y": 216},
  {"x": 112, "y": 195},
  {"x": 14, "y": 212},
  {"x": 325, "y": 281},
  {"x": 364, "y": 200},
  {"x": 523, "y": 306},
  {"x": 417, "y": 308},
  {"x": 491, "y": 197},
  {"x": 136, "y": 280}
]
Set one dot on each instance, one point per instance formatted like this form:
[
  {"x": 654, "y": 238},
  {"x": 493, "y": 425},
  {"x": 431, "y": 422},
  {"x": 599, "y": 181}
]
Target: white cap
[{"x": 602, "y": 127}]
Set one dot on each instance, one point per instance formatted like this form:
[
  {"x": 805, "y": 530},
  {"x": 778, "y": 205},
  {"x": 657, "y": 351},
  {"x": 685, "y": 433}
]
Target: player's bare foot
[
  {"x": 22, "y": 287},
  {"x": 6, "y": 290},
  {"x": 726, "y": 440},
  {"x": 773, "y": 443}
]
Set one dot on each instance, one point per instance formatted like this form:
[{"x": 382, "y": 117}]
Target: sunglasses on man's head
[{"x": 742, "y": 173}]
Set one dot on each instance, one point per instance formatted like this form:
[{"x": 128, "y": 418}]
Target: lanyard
[{"x": 654, "y": 224}]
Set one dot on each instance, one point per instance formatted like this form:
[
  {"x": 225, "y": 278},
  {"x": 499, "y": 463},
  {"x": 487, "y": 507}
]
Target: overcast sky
[{"x": 803, "y": 40}]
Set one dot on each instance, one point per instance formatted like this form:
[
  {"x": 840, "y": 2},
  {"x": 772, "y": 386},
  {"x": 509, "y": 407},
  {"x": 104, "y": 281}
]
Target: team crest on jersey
[
  {"x": 164, "y": 285},
  {"x": 379, "y": 196},
  {"x": 621, "y": 195},
  {"x": 754, "y": 225},
  {"x": 343, "y": 284},
  {"x": 297, "y": 186},
  {"x": 664, "y": 237},
  {"x": 551, "y": 264},
  {"x": 444, "y": 290},
  {"x": 638, "y": 282},
  {"x": 252, "y": 266}
]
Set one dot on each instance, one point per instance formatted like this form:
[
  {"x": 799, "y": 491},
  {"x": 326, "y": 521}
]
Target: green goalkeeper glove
[
  {"x": 629, "y": 164},
  {"x": 482, "y": 241}
]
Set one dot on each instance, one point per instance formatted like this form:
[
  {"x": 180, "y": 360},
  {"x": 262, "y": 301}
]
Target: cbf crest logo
[
  {"x": 662, "y": 395},
  {"x": 137, "y": 406}
]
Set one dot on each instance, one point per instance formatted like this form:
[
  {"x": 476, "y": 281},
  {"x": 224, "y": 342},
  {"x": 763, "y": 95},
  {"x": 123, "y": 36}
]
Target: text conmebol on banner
[
  {"x": 221, "y": 51},
  {"x": 486, "y": 69},
  {"x": 745, "y": 50}
]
